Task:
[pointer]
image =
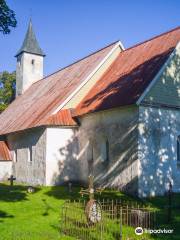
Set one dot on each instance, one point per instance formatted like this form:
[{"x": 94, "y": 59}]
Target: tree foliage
[
  {"x": 7, "y": 89},
  {"x": 7, "y": 18}
]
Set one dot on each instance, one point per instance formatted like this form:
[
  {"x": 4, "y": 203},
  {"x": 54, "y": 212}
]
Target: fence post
[
  {"x": 112, "y": 205},
  {"x": 62, "y": 214},
  {"x": 127, "y": 215},
  {"x": 154, "y": 219},
  {"x": 120, "y": 223}
]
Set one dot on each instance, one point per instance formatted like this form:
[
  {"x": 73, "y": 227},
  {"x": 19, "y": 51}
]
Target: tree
[
  {"x": 7, "y": 89},
  {"x": 7, "y": 18}
]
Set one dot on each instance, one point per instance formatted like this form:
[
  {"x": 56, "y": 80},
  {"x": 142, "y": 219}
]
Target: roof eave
[{"x": 23, "y": 51}]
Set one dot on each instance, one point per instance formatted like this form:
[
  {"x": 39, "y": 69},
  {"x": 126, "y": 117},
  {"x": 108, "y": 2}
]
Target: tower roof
[{"x": 30, "y": 44}]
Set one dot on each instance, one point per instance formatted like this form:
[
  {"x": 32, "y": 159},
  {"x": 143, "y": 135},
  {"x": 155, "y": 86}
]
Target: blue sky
[{"x": 68, "y": 30}]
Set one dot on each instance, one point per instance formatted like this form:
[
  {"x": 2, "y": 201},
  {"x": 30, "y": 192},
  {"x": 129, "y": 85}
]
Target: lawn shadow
[
  {"x": 5, "y": 215},
  {"x": 62, "y": 192},
  {"x": 48, "y": 208},
  {"x": 14, "y": 193},
  {"x": 112, "y": 194},
  {"x": 160, "y": 203}
]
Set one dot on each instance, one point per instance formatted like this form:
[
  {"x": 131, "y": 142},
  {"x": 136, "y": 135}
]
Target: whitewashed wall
[
  {"x": 5, "y": 170},
  {"x": 69, "y": 151},
  {"x": 158, "y": 132},
  {"x": 26, "y": 72},
  {"x": 29, "y": 172},
  {"x": 61, "y": 153},
  {"x": 119, "y": 127}
]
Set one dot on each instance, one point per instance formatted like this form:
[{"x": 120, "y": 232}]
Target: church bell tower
[{"x": 29, "y": 67}]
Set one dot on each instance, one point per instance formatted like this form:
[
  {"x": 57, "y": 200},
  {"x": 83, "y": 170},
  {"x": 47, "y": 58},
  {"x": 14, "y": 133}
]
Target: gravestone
[
  {"x": 11, "y": 180},
  {"x": 30, "y": 189}
]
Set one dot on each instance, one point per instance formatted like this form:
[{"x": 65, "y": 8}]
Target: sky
[{"x": 68, "y": 30}]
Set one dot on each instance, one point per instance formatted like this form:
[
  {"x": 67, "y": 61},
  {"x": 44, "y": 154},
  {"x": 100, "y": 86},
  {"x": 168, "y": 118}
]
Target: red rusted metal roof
[
  {"x": 36, "y": 105},
  {"x": 130, "y": 74},
  {"x": 61, "y": 118},
  {"x": 4, "y": 152}
]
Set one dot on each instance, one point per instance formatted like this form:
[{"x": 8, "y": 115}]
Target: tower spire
[
  {"x": 29, "y": 67},
  {"x": 30, "y": 44}
]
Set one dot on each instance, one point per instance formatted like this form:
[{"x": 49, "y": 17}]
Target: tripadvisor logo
[
  {"x": 159, "y": 231},
  {"x": 139, "y": 231}
]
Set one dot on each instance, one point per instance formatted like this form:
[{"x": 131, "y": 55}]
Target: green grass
[{"x": 36, "y": 216}]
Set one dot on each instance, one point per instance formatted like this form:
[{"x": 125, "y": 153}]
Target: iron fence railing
[{"x": 118, "y": 220}]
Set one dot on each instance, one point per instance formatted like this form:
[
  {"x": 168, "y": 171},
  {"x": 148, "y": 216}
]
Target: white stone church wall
[
  {"x": 119, "y": 127},
  {"x": 5, "y": 170},
  {"x": 61, "y": 156},
  {"x": 69, "y": 150},
  {"x": 26, "y": 171},
  {"x": 158, "y": 132},
  {"x": 29, "y": 70}
]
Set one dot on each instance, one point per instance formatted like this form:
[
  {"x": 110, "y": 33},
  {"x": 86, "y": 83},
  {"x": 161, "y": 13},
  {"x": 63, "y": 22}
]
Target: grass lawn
[{"x": 36, "y": 216}]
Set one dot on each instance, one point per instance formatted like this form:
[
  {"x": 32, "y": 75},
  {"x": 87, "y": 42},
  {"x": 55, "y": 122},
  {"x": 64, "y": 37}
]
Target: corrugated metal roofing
[
  {"x": 37, "y": 104},
  {"x": 62, "y": 118},
  {"x": 4, "y": 152},
  {"x": 130, "y": 74}
]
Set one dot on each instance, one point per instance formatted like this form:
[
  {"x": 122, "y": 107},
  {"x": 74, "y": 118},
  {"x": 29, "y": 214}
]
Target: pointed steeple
[
  {"x": 30, "y": 44},
  {"x": 30, "y": 58}
]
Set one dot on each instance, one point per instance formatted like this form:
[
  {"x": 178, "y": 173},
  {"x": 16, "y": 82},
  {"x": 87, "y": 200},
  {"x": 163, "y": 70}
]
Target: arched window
[{"x": 178, "y": 151}]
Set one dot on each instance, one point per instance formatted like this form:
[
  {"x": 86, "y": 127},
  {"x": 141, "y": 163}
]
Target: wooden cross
[
  {"x": 90, "y": 191},
  {"x": 11, "y": 179}
]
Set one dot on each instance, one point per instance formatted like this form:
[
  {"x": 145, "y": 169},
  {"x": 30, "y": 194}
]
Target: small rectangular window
[
  {"x": 15, "y": 155},
  {"x": 29, "y": 154},
  {"x": 105, "y": 151},
  {"x": 178, "y": 152},
  {"x": 90, "y": 158}
]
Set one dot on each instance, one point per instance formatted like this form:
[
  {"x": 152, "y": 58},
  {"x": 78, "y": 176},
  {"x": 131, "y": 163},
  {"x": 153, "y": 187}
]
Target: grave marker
[{"x": 11, "y": 180}]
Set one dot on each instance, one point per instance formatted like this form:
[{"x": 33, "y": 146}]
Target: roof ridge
[
  {"x": 92, "y": 53},
  {"x": 152, "y": 38}
]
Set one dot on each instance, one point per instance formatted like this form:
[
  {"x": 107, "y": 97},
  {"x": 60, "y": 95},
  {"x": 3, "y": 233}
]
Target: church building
[{"x": 114, "y": 114}]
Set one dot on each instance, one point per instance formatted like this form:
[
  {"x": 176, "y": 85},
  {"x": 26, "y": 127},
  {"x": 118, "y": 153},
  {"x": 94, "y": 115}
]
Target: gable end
[{"x": 164, "y": 90}]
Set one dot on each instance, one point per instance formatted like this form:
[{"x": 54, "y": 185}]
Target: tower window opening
[{"x": 32, "y": 61}]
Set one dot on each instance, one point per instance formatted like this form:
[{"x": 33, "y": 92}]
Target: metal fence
[{"x": 117, "y": 219}]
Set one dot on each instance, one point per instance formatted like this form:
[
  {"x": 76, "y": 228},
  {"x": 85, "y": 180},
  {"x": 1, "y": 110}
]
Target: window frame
[
  {"x": 104, "y": 151},
  {"x": 29, "y": 155},
  {"x": 90, "y": 157},
  {"x": 15, "y": 155}
]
